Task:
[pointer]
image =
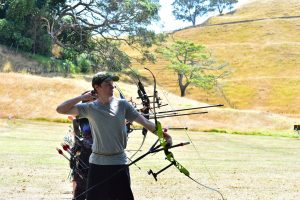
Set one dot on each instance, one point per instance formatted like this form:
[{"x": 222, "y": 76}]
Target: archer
[{"x": 107, "y": 116}]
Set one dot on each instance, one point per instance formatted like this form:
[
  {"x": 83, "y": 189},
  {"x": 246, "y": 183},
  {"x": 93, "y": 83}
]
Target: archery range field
[{"x": 240, "y": 166}]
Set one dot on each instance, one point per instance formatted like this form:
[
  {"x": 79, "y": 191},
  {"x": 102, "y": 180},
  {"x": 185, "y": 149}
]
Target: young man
[{"x": 107, "y": 119}]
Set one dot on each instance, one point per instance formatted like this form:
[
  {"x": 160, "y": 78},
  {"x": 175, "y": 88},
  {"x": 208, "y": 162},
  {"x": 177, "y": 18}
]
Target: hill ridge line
[
  {"x": 252, "y": 20},
  {"x": 238, "y": 22}
]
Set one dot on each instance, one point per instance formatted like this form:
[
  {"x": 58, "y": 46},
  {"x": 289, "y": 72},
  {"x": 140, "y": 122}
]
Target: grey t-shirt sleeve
[
  {"x": 130, "y": 112},
  {"x": 82, "y": 110}
]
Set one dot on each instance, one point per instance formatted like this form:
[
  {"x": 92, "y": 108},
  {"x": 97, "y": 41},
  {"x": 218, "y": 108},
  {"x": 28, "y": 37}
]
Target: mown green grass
[{"x": 31, "y": 168}]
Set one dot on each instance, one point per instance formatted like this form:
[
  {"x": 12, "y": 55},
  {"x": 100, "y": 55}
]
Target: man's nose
[{"x": 112, "y": 86}]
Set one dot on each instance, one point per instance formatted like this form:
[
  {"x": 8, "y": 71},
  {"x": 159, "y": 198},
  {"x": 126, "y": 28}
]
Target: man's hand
[
  {"x": 168, "y": 138},
  {"x": 89, "y": 96},
  {"x": 151, "y": 127}
]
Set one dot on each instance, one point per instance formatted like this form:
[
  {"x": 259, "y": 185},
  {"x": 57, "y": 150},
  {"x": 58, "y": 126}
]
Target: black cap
[{"x": 100, "y": 77}]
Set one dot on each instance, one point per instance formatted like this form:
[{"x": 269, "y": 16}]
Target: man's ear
[{"x": 95, "y": 87}]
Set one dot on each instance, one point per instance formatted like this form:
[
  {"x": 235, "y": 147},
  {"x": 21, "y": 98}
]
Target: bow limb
[
  {"x": 169, "y": 155},
  {"x": 160, "y": 134},
  {"x": 146, "y": 107}
]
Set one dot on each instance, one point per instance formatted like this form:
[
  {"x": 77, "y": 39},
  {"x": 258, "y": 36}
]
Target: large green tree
[
  {"x": 193, "y": 65},
  {"x": 21, "y": 26},
  {"x": 189, "y": 10},
  {"x": 221, "y": 5},
  {"x": 101, "y": 27}
]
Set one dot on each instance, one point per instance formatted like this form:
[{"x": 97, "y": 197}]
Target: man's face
[{"x": 106, "y": 89}]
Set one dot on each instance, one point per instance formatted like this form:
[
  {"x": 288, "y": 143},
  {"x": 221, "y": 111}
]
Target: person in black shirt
[{"x": 82, "y": 150}]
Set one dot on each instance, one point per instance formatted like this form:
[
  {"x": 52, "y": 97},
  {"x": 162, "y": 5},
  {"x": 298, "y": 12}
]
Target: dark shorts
[
  {"x": 80, "y": 172},
  {"x": 113, "y": 182},
  {"x": 80, "y": 188}
]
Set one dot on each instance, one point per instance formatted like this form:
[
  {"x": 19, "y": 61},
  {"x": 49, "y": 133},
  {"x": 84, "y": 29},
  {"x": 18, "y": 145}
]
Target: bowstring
[
  {"x": 122, "y": 96},
  {"x": 194, "y": 146},
  {"x": 138, "y": 86}
]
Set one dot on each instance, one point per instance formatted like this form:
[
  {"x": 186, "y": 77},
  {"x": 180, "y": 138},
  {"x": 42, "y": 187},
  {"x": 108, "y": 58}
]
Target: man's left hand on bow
[{"x": 168, "y": 138}]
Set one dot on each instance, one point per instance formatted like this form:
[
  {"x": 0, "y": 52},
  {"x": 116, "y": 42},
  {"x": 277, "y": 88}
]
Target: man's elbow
[{"x": 60, "y": 110}]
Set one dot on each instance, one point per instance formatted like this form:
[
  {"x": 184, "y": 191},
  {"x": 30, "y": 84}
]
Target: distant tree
[
  {"x": 189, "y": 10},
  {"x": 193, "y": 65},
  {"x": 220, "y": 5},
  {"x": 100, "y": 27}
]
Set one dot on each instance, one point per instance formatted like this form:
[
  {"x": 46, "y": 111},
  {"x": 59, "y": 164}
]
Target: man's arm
[
  {"x": 146, "y": 123},
  {"x": 151, "y": 127},
  {"x": 68, "y": 107}
]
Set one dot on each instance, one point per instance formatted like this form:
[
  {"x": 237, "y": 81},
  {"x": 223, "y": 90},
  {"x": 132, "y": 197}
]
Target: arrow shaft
[
  {"x": 195, "y": 108},
  {"x": 176, "y": 115}
]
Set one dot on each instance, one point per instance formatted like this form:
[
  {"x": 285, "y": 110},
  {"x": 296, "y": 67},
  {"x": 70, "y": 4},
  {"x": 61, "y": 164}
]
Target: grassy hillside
[
  {"x": 262, "y": 52},
  {"x": 263, "y": 55},
  {"x": 34, "y": 97},
  {"x": 260, "y": 42},
  {"x": 16, "y": 61}
]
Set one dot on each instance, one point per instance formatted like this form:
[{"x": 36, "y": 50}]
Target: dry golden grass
[
  {"x": 12, "y": 61},
  {"x": 27, "y": 96},
  {"x": 33, "y": 97},
  {"x": 259, "y": 9}
]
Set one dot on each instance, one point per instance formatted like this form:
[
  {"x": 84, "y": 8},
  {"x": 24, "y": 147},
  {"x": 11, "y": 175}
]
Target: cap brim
[{"x": 112, "y": 78}]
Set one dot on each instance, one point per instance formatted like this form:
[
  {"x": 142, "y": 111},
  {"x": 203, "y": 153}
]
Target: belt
[{"x": 108, "y": 154}]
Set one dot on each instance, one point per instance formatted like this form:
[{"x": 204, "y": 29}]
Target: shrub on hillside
[{"x": 84, "y": 63}]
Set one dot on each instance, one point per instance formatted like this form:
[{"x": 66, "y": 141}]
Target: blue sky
[{"x": 168, "y": 21}]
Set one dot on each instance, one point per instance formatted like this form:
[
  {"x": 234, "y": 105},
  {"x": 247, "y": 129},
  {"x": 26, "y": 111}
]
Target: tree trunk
[
  {"x": 220, "y": 9},
  {"x": 194, "y": 20},
  {"x": 182, "y": 91},
  {"x": 34, "y": 34},
  {"x": 181, "y": 85}
]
